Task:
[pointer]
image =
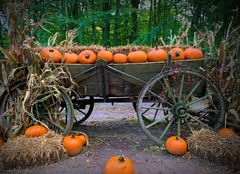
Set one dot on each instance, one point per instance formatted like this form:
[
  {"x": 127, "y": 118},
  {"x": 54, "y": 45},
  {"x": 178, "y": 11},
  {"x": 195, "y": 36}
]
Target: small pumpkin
[
  {"x": 157, "y": 55},
  {"x": 119, "y": 165},
  {"x": 193, "y": 53},
  {"x": 70, "y": 58},
  {"x": 84, "y": 138},
  {"x": 87, "y": 57},
  {"x": 35, "y": 131},
  {"x": 176, "y": 145},
  {"x": 1, "y": 142},
  {"x": 51, "y": 54},
  {"x": 104, "y": 54},
  {"x": 120, "y": 58},
  {"x": 226, "y": 132},
  {"x": 137, "y": 57},
  {"x": 177, "y": 54},
  {"x": 72, "y": 144}
]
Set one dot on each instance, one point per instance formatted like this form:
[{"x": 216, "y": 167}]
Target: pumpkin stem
[
  {"x": 51, "y": 50},
  {"x": 177, "y": 138},
  {"x": 87, "y": 56},
  {"x": 177, "y": 54},
  {"x": 121, "y": 158}
]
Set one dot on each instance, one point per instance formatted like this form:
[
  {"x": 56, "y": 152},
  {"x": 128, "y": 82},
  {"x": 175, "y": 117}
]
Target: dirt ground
[{"x": 114, "y": 130}]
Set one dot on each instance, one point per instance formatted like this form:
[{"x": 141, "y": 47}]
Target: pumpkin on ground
[
  {"x": 51, "y": 54},
  {"x": 35, "y": 131},
  {"x": 104, "y": 54},
  {"x": 1, "y": 142},
  {"x": 193, "y": 53},
  {"x": 177, "y": 54},
  {"x": 119, "y": 165},
  {"x": 157, "y": 55},
  {"x": 72, "y": 144},
  {"x": 84, "y": 138},
  {"x": 120, "y": 58},
  {"x": 226, "y": 132},
  {"x": 87, "y": 57},
  {"x": 137, "y": 57},
  {"x": 176, "y": 145},
  {"x": 70, "y": 58}
]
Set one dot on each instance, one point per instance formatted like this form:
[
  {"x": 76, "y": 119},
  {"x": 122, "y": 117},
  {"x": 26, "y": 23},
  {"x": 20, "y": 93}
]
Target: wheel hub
[{"x": 179, "y": 110}]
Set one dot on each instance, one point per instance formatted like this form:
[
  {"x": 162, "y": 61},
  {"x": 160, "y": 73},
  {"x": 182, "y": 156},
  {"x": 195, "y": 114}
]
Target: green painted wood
[{"x": 119, "y": 85}]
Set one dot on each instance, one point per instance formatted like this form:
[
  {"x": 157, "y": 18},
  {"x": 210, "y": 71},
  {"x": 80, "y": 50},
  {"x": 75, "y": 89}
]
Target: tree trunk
[
  {"x": 106, "y": 26},
  {"x": 134, "y": 15},
  {"x": 116, "y": 25}
]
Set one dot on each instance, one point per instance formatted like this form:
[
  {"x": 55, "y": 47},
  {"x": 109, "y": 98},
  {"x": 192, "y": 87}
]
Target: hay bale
[
  {"x": 22, "y": 152},
  {"x": 215, "y": 148}
]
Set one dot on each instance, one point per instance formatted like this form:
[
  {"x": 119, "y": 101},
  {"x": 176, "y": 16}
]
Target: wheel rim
[
  {"x": 83, "y": 112},
  {"x": 59, "y": 120},
  {"x": 178, "y": 102}
]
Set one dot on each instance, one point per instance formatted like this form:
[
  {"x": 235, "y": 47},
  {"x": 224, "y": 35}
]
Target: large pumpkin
[
  {"x": 137, "y": 57},
  {"x": 104, "y": 54},
  {"x": 70, "y": 58},
  {"x": 120, "y": 58},
  {"x": 193, "y": 53},
  {"x": 226, "y": 132},
  {"x": 1, "y": 142},
  {"x": 51, "y": 54},
  {"x": 157, "y": 55},
  {"x": 176, "y": 145},
  {"x": 87, "y": 57},
  {"x": 119, "y": 165},
  {"x": 177, "y": 54},
  {"x": 72, "y": 144},
  {"x": 35, "y": 131}
]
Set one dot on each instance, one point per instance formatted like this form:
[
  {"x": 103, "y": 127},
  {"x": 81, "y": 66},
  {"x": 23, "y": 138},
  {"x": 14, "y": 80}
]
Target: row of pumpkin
[{"x": 89, "y": 57}]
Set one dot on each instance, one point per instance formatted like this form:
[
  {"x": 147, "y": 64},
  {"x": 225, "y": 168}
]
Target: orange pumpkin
[
  {"x": 120, "y": 58},
  {"x": 193, "y": 53},
  {"x": 87, "y": 57},
  {"x": 35, "y": 131},
  {"x": 51, "y": 54},
  {"x": 177, "y": 54},
  {"x": 72, "y": 144},
  {"x": 226, "y": 132},
  {"x": 176, "y": 145},
  {"x": 157, "y": 55},
  {"x": 104, "y": 54},
  {"x": 137, "y": 57},
  {"x": 84, "y": 138},
  {"x": 119, "y": 165},
  {"x": 1, "y": 142},
  {"x": 70, "y": 58}
]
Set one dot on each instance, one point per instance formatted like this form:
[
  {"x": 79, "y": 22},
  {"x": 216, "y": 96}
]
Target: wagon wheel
[
  {"x": 179, "y": 101},
  {"x": 83, "y": 109},
  {"x": 60, "y": 121}
]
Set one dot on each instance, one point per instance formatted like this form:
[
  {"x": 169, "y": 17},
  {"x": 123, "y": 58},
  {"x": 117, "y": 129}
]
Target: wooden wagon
[{"x": 169, "y": 98}]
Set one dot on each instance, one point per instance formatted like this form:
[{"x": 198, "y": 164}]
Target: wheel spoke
[
  {"x": 188, "y": 125},
  {"x": 147, "y": 108},
  {"x": 205, "y": 110},
  {"x": 155, "y": 108},
  {"x": 195, "y": 87},
  {"x": 156, "y": 112},
  {"x": 158, "y": 121},
  {"x": 198, "y": 100},
  {"x": 166, "y": 129},
  {"x": 181, "y": 87},
  {"x": 178, "y": 127},
  {"x": 160, "y": 98},
  {"x": 81, "y": 111},
  {"x": 169, "y": 90},
  {"x": 197, "y": 120}
]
